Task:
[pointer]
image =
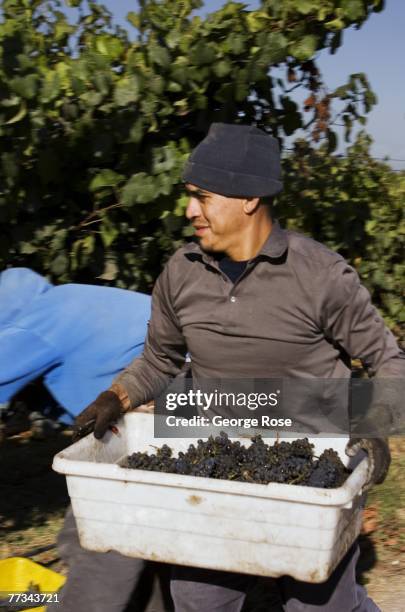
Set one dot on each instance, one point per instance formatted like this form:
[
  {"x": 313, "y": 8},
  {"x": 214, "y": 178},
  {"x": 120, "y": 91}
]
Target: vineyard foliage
[
  {"x": 96, "y": 123},
  {"x": 355, "y": 205}
]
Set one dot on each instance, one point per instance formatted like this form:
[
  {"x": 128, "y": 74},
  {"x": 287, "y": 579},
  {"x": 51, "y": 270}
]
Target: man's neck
[{"x": 251, "y": 240}]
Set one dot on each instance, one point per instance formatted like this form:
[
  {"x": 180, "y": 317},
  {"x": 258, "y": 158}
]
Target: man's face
[{"x": 218, "y": 220}]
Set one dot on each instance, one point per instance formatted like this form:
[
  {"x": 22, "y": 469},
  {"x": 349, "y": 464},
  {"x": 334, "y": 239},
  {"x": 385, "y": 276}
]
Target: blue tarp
[{"x": 78, "y": 337}]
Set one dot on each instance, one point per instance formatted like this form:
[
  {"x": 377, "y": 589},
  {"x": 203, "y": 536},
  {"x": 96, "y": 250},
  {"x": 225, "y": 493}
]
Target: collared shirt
[{"x": 298, "y": 310}]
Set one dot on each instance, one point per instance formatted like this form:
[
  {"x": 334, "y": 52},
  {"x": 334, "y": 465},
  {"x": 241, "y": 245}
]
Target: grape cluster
[{"x": 219, "y": 457}]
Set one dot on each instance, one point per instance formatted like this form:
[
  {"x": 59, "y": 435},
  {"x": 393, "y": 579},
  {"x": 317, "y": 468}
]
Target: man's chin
[{"x": 207, "y": 246}]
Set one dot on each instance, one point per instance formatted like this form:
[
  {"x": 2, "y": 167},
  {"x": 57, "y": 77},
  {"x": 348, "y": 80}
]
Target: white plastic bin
[{"x": 268, "y": 530}]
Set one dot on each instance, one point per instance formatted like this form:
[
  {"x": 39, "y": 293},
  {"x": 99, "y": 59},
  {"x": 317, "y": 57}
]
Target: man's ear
[{"x": 250, "y": 205}]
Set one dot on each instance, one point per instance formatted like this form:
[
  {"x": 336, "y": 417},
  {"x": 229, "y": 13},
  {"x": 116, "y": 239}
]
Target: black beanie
[{"x": 236, "y": 160}]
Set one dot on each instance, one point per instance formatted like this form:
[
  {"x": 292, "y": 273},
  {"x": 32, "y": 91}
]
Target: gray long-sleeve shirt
[{"x": 298, "y": 310}]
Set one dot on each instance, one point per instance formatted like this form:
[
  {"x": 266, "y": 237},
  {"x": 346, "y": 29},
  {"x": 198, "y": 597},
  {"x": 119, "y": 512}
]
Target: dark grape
[{"x": 285, "y": 462}]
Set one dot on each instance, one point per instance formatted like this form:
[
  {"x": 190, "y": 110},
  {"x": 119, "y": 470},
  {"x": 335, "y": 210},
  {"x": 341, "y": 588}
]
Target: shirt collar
[
  {"x": 274, "y": 247},
  {"x": 276, "y": 243}
]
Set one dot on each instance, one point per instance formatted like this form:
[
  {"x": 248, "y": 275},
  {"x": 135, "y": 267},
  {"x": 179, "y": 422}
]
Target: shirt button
[{"x": 233, "y": 299}]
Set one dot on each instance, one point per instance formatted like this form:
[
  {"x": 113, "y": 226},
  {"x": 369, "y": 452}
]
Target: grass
[{"x": 388, "y": 500}]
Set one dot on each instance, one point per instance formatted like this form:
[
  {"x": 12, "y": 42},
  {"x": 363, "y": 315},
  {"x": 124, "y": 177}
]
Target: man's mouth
[{"x": 200, "y": 229}]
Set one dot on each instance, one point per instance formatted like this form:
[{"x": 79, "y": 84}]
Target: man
[{"x": 251, "y": 300}]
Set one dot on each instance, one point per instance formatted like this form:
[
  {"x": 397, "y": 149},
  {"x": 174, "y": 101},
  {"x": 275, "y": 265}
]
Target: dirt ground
[{"x": 33, "y": 500}]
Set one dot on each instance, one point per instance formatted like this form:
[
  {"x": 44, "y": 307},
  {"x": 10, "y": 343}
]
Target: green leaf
[
  {"x": 181, "y": 205},
  {"x": 157, "y": 84},
  {"x": 108, "y": 231},
  {"x": 202, "y": 53},
  {"x": 335, "y": 25},
  {"x": 60, "y": 264},
  {"x": 103, "y": 82},
  {"x": 159, "y": 55},
  {"x": 127, "y": 91},
  {"x": 27, "y": 248},
  {"x": 92, "y": 98},
  {"x": 59, "y": 239},
  {"x": 370, "y": 99},
  {"x": 110, "y": 46},
  {"x": 163, "y": 159},
  {"x": 173, "y": 86},
  {"x": 275, "y": 48},
  {"x": 63, "y": 71},
  {"x": 257, "y": 20},
  {"x": 173, "y": 38},
  {"x": 105, "y": 178},
  {"x": 354, "y": 9},
  {"x": 378, "y": 5},
  {"x": 63, "y": 29},
  {"x": 110, "y": 271},
  {"x": 139, "y": 189},
  {"x": 10, "y": 102},
  {"x": 237, "y": 43},
  {"x": 305, "y": 6},
  {"x": 50, "y": 86},
  {"x": 137, "y": 131},
  {"x": 26, "y": 86},
  {"x": 222, "y": 68},
  {"x": 340, "y": 92},
  {"x": 89, "y": 243},
  {"x": 305, "y": 48},
  {"x": 18, "y": 116},
  {"x": 134, "y": 19}
]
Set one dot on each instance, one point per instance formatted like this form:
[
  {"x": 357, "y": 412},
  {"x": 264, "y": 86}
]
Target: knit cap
[{"x": 236, "y": 160}]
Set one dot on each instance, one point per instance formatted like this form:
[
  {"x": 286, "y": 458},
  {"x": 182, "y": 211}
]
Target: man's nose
[{"x": 193, "y": 209}]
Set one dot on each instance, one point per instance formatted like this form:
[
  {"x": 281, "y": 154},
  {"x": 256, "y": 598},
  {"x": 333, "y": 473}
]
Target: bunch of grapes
[{"x": 284, "y": 462}]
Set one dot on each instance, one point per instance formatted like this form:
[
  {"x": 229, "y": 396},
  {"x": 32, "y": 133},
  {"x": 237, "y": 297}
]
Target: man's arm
[{"x": 351, "y": 321}]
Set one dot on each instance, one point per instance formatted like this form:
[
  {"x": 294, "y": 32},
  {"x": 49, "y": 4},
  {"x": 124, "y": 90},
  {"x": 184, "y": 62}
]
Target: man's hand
[
  {"x": 379, "y": 458},
  {"x": 98, "y": 416}
]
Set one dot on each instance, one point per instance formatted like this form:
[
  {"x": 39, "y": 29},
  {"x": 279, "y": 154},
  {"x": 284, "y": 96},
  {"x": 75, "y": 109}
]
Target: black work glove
[
  {"x": 98, "y": 416},
  {"x": 379, "y": 458}
]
